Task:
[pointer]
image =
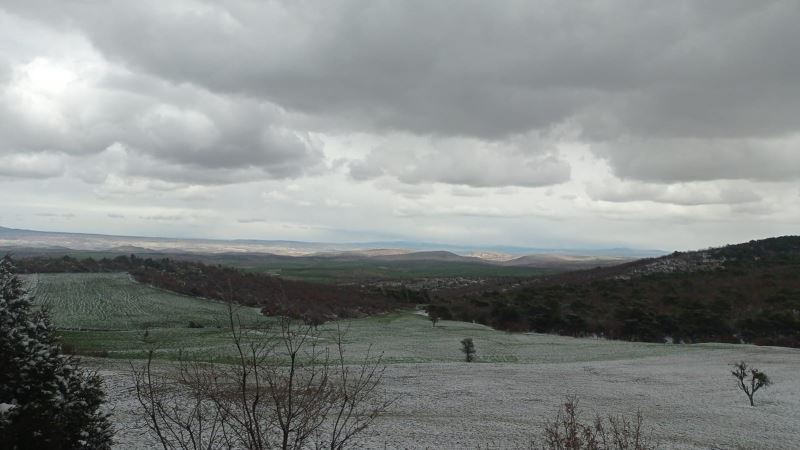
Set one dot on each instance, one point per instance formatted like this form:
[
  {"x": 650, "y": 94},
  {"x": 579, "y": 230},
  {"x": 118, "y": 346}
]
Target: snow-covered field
[
  {"x": 685, "y": 392},
  {"x": 687, "y": 398}
]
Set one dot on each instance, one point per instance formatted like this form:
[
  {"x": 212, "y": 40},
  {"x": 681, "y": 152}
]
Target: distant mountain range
[{"x": 392, "y": 250}]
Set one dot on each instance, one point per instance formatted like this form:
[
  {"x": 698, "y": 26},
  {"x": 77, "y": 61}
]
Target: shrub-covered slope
[{"x": 739, "y": 293}]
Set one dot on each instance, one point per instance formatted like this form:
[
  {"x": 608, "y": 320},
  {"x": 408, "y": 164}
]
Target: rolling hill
[
  {"x": 317, "y": 262},
  {"x": 748, "y": 292}
]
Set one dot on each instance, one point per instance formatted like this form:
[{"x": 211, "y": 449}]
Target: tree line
[{"x": 757, "y": 304}]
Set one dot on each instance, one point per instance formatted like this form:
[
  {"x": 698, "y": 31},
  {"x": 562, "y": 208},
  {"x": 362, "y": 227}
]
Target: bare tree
[
  {"x": 468, "y": 349},
  {"x": 175, "y": 412},
  {"x": 757, "y": 380},
  {"x": 568, "y": 432},
  {"x": 357, "y": 404},
  {"x": 283, "y": 390}
]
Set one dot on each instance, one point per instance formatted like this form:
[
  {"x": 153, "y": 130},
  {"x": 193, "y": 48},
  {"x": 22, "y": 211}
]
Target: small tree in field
[
  {"x": 433, "y": 315},
  {"x": 468, "y": 349},
  {"x": 757, "y": 380},
  {"x": 46, "y": 400}
]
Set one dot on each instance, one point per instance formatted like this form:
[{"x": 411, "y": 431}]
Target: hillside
[
  {"x": 114, "y": 301},
  {"x": 312, "y": 302},
  {"x": 747, "y": 292}
]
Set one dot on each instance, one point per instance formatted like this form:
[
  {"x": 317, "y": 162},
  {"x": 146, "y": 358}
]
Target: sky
[{"x": 648, "y": 124}]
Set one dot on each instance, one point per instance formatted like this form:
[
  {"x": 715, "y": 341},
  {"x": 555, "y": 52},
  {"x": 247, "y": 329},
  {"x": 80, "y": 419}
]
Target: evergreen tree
[
  {"x": 46, "y": 400},
  {"x": 468, "y": 348}
]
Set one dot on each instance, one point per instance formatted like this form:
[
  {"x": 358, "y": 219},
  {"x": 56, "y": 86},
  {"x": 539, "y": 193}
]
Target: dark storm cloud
[
  {"x": 654, "y": 73},
  {"x": 671, "y": 160},
  {"x": 523, "y": 64}
]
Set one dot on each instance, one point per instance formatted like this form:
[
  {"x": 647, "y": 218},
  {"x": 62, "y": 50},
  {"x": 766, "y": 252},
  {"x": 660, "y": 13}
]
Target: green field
[
  {"x": 320, "y": 269},
  {"x": 107, "y": 314},
  {"x": 96, "y": 301}
]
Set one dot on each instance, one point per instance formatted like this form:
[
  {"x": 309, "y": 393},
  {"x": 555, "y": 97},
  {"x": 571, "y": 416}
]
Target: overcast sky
[{"x": 650, "y": 124}]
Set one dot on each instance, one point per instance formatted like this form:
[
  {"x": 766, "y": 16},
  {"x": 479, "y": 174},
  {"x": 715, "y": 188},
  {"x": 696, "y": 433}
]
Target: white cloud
[
  {"x": 31, "y": 165},
  {"x": 461, "y": 161},
  {"x": 685, "y": 194}
]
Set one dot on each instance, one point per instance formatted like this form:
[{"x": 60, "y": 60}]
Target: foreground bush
[
  {"x": 46, "y": 400},
  {"x": 567, "y": 432}
]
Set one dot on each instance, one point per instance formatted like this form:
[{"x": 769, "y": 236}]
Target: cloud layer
[{"x": 577, "y": 107}]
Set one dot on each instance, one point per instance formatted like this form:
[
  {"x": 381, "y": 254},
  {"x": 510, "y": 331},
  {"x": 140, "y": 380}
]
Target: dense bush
[{"x": 751, "y": 295}]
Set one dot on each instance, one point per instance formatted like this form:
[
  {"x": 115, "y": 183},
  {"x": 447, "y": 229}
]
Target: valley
[
  {"x": 683, "y": 391},
  {"x": 112, "y": 311}
]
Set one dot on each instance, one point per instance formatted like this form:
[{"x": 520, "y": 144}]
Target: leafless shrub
[
  {"x": 568, "y": 432},
  {"x": 283, "y": 391}
]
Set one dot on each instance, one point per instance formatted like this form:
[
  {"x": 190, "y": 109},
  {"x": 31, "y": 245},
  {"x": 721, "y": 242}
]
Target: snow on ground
[
  {"x": 685, "y": 392},
  {"x": 688, "y": 399}
]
